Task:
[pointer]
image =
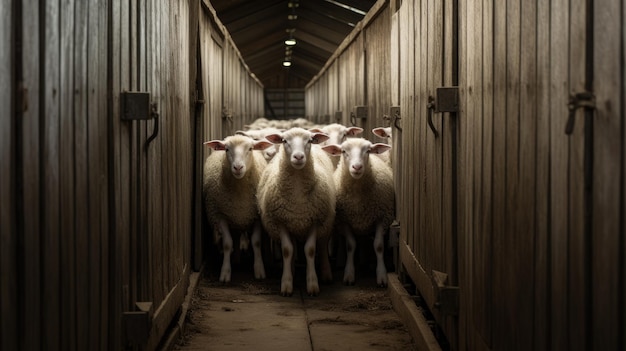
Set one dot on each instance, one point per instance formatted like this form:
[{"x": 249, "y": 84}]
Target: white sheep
[
  {"x": 365, "y": 199},
  {"x": 296, "y": 197},
  {"x": 259, "y": 134},
  {"x": 337, "y": 134},
  {"x": 385, "y": 133},
  {"x": 231, "y": 177}
]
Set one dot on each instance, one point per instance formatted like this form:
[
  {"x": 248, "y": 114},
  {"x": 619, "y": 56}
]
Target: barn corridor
[{"x": 505, "y": 125}]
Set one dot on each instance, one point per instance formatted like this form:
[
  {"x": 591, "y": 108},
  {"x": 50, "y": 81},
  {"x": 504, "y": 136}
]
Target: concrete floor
[{"x": 251, "y": 315}]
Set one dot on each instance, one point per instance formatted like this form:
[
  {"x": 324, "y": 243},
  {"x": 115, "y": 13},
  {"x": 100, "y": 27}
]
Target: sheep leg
[
  {"x": 348, "y": 273},
  {"x": 286, "y": 282},
  {"x": 259, "y": 268},
  {"x": 326, "y": 273},
  {"x": 312, "y": 286},
  {"x": 227, "y": 247},
  {"x": 379, "y": 248}
]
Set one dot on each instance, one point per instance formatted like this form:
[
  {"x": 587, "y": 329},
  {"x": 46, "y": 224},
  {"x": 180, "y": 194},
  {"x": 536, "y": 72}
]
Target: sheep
[
  {"x": 296, "y": 197},
  {"x": 231, "y": 176},
  {"x": 365, "y": 199},
  {"x": 259, "y": 134},
  {"x": 385, "y": 133},
  {"x": 337, "y": 134}
]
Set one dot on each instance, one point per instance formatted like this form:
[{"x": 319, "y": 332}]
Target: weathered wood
[
  {"x": 608, "y": 270},
  {"x": 31, "y": 178},
  {"x": 559, "y": 186},
  {"x": 9, "y": 337},
  {"x": 542, "y": 238},
  {"x": 51, "y": 246}
]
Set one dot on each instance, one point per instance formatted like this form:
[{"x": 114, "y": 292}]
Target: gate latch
[
  {"x": 583, "y": 99},
  {"x": 136, "y": 106}
]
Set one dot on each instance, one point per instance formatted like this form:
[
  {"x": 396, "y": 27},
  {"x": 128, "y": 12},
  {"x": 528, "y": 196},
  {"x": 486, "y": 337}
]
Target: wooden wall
[
  {"x": 95, "y": 216},
  {"x": 496, "y": 199},
  {"x": 357, "y": 74}
]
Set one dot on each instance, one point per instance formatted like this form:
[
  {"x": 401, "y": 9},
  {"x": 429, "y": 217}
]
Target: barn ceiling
[{"x": 259, "y": 28}]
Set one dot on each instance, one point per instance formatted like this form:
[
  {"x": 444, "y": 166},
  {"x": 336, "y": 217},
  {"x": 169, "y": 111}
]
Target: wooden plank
[
  {"x": 9, "y": 337},
  {"x": 579, "y": 282},
  {"x": 403, "y": 32},
  {"x": 118, "y": 284},
  {"x": 559, "y": 297},
  {"x": 81, "y": 103},
  {"x": 167, "y": 310},
  {"x": 155, "y": 152},
  {"x": 499, "y": 158},
  {"x": 31, "y": 173},
  {"x": 607, "y": 267},
  {"x": 96, "y": 252},
  {"x": 51, "y": 247},
  {"x": 67, "y": 177},
  {"x": 527, "y": 138},
  {"x": 412, "y": 317},
  {"x": 542, "y": 208}
]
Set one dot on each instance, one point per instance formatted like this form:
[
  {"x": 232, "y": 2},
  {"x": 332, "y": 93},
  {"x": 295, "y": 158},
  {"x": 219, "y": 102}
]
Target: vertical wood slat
[
  {"x": 81, "y": 243},
  {"x": 578, "y": 280},
  {"x": 31, "y": 177},
  {"x": 542, "y": 205},
  {"x": 559, "y": 38},
  {"x": 97, "y": 121},
  {"x": 9, "y": 320},
  {"x": 609, "y": 210},
  {"x": 50, "y": 197}
]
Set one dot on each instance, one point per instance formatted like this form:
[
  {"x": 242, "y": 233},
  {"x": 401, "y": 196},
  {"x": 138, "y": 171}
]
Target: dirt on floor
[{"x": 252, "y": 315}]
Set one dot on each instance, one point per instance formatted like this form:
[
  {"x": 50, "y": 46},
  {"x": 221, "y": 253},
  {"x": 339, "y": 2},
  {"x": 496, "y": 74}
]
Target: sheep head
[
  {"x": 297, "y": 144},
  {"x": 355, "y": 154},
  {"x": 238, "y": 150}
]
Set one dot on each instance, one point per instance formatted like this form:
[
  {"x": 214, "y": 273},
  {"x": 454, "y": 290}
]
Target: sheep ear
[
  {"x": 216, "y": 144},
  {"x": 352, "y": 131},
  {"x": 381, "y": 132},
  {"x": 315, "y": 130},
  {"x": 262, "y": 145},
  {"x": 379, "y": 148},
  {"x": 275, "y": 138},
  {"x": 319, "y": 137},
  {"x": 332, "y": 149}
]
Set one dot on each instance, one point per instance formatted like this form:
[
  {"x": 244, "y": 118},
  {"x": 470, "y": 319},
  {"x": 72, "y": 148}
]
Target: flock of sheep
[{"x": 300, "y": 183}]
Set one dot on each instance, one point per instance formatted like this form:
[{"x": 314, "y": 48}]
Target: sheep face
[
  {"x": 355, "y": 154},
  {"x": 337, "y": 133},
  {"x": 238, "y": 150},
  {"x": 297, "y": 144}
]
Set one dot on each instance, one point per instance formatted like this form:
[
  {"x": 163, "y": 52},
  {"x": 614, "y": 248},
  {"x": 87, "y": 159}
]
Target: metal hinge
[
  {"x": 583, "y": 99},
  {"x": 394, "y": 116},
  {"x": 447, "y": 296},
  {"x": 137, "y": 324}
]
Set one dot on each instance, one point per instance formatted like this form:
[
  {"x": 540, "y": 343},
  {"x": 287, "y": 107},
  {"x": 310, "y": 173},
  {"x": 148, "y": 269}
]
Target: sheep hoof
[
  {"x": 348, "y": 283},
  {"x": 286, "y": 294}
]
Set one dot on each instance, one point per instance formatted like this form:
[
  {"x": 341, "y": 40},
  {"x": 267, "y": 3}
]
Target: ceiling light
[
  {"x": 286, "y": 63},
  {"x": 290, "y": 41}
]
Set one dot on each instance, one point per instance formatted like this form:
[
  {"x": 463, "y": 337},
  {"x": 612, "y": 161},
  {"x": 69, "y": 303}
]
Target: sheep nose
[
  {"x": 357, "y": 167},
  {"x": 238, "y": 167},
  {"x": 298, "y": 157}
]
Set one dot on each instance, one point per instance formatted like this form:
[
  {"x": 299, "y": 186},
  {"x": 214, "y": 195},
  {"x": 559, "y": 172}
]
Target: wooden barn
[{"x": 509, "y": 156}]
